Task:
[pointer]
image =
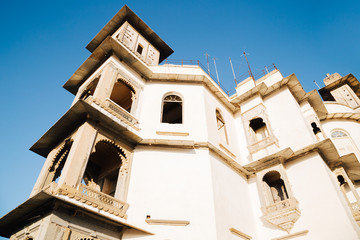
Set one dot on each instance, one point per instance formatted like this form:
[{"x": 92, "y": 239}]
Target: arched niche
[{"x": 103, "y": 167}]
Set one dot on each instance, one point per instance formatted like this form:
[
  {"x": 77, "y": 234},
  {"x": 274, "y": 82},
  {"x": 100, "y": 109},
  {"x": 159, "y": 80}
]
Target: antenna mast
[
  {"x": 316, "y": 84},
  {"x": 251, "y": 75},
  {"x": 207, "y": 61},
  {"x": 217, "y": 75},
  {"x": 233, "y": 70}
]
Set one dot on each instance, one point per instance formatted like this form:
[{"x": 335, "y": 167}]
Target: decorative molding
[
  {"x": 297, "y": 234},
  {"x": 342, "y": 116},
  {"x": 90, "y": 197},
  {"x": 150, "y": 221},
  {"x": 282, "y": 214},
  {"x": 172, "y": 133},
  {"x": 227, "y": 151},
  {"x": 240, "y": 234}
]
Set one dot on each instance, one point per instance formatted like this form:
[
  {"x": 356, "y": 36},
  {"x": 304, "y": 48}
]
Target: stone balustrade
[
  {"x": 91, "y": 197},
  {"x": 282, "y": 214},
  {"x": 279, "y": 206},
  {"x": 116, "y": 110}
]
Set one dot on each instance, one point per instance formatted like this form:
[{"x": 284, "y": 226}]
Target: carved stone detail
[{"x": 282, "y": 214}]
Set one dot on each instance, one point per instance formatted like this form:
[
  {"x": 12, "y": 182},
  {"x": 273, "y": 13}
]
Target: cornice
[{"x": 341, "y": 116}]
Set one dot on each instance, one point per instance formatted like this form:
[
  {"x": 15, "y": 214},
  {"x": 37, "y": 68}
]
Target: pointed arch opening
[
  {"x": 123, "y": 94},
  {"x": 275, "y": 187},
  {"x": 172, "y": 109},
  {"x": 344, "y": 143},
  {"x": 103, "y": 167}
]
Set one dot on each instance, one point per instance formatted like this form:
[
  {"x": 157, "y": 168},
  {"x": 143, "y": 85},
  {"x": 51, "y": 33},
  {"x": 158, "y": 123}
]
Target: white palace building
[{"x": 151, "y": 151}]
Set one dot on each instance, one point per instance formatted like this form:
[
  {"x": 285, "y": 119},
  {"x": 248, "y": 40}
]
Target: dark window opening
[
  {"x": 257, "y": 123},
  {"x": 103, "y": 166},
  {"x": 140, "y": 49},
  {"x": 315, "y": 128},
  {"x": 276, "y": 185},
  {"x": 172, "y": 109},
  {"x": 259, "y": 128},
  {"x": 122, "y": 95},
  {"x": 341, "y": 180}
]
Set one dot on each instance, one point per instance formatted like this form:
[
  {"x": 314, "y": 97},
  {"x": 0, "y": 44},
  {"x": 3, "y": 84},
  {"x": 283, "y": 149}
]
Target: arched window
[
  {"x": 103, "y": 166},
  {"x": 221, "y": 126},
  {"x": 275, "y": 187},
  {"x": 172, "y": 109},
  {"x": 123, "y": 94},
  {"x": 259, "y": 128},
  {"x": 338, "y": 134},
  {"x": 344, "y": 143}
]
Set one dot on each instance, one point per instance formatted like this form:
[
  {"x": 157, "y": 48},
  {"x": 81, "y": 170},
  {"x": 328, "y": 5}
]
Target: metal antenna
[
  {"x": 217, "y": 75},
  {"x": 207, "y": 61},
  {"x": 251, "y": 75},
  {"x": 233, "y": 70},
  {"x": 316, "y": 84}
]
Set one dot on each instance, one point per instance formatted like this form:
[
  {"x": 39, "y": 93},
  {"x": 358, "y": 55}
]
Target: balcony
[
  {"x": 91, "y": 197},
  {"x": 282, "y": 214},
  {"x": 117, "y": 111}
]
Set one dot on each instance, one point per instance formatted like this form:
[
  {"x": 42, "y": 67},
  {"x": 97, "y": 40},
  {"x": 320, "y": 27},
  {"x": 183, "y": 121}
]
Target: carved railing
[
  {"x": 121, "y": 112},
  {"x": 279, "y": 206},
  {"x": 355, "y": 210},
  {"x": 90, "y": 197},
  {"x": 117, "y": 111},
  {"x": 282, "y": 214},
  {"x": 106, "y": 202}
]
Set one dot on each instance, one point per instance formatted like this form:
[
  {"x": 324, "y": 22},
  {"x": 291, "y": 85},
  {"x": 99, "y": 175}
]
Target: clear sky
[{"x": 43, "y": 43}]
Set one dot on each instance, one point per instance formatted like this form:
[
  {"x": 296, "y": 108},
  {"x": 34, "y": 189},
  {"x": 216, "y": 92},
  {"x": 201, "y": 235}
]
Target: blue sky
[{"x": 43, "y": 43}]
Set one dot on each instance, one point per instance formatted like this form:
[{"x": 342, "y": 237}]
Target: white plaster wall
[
  {"x": 287, "y": 121},
  {"x": 211, "y": 104},
  {"x": 242, "y": 142},
  {"x": 194, "y": 116},
  {"x": 323, "y": 212},
  {"x": 232, "y": 202},
  {"x": 245, "y": 86},
  {"x": 250, "y": 103},
  {"x": 272, "y": 78},
  {"x": 350, "y": 126},
  {"x": 176, "y": 185}
]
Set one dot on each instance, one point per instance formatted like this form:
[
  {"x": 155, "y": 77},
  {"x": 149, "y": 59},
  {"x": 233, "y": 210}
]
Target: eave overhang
[
  {"x": 43, "y": 203},
  {"x": 325, "y": 148},
  {"x": 290, "y": 81},
  {"x": 111, "y": 47},
  {"x": 126, "y": 14},
  {"x": 107, "y": 48},
  {"x": 342, "y": 116},
  {"x": 295, "y": 88},
  {"x": 80, "y": 112},
  {"x": 315, "y": 101},
  {"x": 348, "y": 79}
]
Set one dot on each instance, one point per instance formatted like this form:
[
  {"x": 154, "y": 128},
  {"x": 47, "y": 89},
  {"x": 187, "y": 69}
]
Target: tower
[{"x": 81, "y": 190}]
